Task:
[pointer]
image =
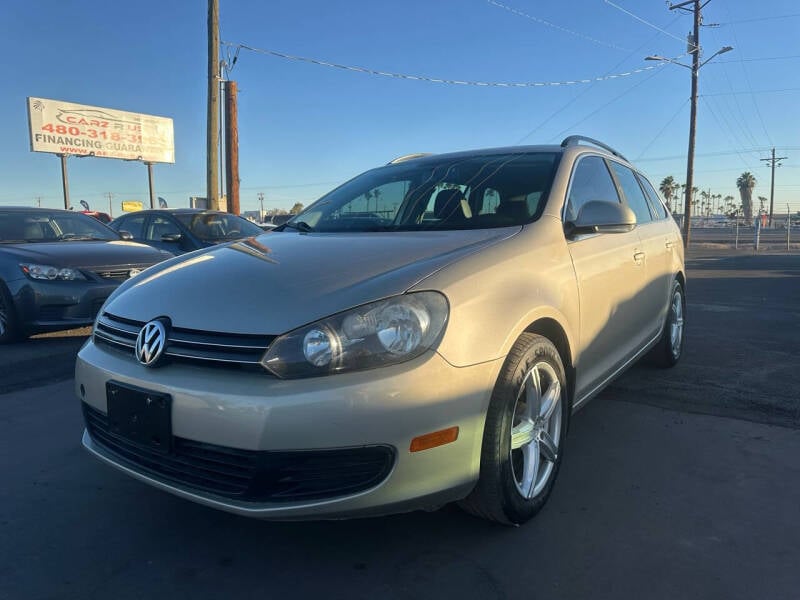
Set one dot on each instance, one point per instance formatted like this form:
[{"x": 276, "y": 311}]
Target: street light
[
  {"x": 694, "y": 68},
  {"x": 660, "y": 58}
]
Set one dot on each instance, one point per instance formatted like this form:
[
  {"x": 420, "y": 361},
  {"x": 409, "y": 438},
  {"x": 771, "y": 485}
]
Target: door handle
[{"x": 638, "y": 258}]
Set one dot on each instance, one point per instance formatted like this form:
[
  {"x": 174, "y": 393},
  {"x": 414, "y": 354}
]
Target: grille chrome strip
[{"x": 188, "y": 345}]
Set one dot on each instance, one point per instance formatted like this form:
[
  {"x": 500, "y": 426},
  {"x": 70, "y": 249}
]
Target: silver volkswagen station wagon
[{"x": 420, "y": 335}]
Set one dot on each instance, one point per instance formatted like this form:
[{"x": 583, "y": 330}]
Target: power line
[
  {"x": 759, "y": 59},
  {"x": 742, "y": 93},
  {"x": 641, "y": 20},
  {"x": 749, "y": 85},
  {"x": 664, "y": 128},
  {"x": 554, "y": 26},
  {"x": 731, "y": 131},
  {"x": 614, "y": 99},
  {"x": 502, "y": 84},
  {"x": 759, "y": 19},
  {"x": 585, "y": 90},
  {"x": 717, "y": 153}
]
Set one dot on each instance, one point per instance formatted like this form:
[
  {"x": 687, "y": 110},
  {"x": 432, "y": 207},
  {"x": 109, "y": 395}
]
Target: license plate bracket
[{"x": 140, "y": 416}]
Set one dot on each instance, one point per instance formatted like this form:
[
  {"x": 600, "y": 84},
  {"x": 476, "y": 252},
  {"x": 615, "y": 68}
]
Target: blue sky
[{"x": 304, "y": 128}]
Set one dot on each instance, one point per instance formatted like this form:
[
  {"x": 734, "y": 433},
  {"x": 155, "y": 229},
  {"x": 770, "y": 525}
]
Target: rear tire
[
  {"x": 9, "y": 324},
  {"x": 667, "y": 352},
  {"x": 524, "y": 434}
]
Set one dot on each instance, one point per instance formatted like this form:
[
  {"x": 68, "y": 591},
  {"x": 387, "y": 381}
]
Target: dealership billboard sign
[{"x": 68, "y": 128}]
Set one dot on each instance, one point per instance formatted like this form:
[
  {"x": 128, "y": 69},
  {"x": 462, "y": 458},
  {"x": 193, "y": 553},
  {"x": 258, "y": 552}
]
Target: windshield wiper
[{"x": 301, "y": 226}]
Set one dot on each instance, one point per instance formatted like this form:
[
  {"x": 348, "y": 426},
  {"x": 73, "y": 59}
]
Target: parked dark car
[
  {"x": 179, "y": 230},
  {"x": 57, "y": 267}
]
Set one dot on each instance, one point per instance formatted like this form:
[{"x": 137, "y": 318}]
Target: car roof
[
  {"x": 571, "y": 147},
  {"x": 34, "y": 209},
  {"x": 181, "y": 211}
]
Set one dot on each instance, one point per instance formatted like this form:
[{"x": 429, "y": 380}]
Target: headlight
[
  {"x": 374, "y": 335},
  {"x": 50, "y": 273}
]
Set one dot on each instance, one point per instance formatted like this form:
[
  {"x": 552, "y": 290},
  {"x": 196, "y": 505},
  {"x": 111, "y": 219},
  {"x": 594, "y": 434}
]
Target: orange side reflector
[{"x": 431, "y": 440}]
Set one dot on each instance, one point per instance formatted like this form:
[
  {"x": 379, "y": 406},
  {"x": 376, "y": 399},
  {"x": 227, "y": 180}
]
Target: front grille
[
  {"x": 190, "y": 345},
  {"x": 121, "y": 274},
  {"x": 266, "y": 476}
]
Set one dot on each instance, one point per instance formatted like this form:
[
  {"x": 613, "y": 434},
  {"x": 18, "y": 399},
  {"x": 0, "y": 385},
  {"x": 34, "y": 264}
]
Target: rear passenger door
[
  {"x": 610, "y": 277},
  {"x": 648, "y": 308}
]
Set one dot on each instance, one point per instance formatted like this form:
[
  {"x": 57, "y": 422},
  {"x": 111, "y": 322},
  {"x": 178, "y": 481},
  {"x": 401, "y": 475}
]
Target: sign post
[{"x": 64, "y": 180}]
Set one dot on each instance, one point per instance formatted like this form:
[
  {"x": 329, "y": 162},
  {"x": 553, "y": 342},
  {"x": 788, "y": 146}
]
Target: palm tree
[
  {"x": 367, "y": 195},
  {"x": 746, "y": 182},
  {"x": 668, "y": 187},
  {"x": 762, "y": 205}
]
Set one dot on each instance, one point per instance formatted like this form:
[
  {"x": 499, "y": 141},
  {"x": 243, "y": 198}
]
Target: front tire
[
  {"x": 9, "y": 326},
  {"x": 524, "y": 434}
]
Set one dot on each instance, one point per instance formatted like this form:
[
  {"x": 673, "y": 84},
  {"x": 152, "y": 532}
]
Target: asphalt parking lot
[{"x": 676, "y": 484}]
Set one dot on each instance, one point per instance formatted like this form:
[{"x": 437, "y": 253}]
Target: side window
[
  {"x": 657, "y": 206},
  {"x": 160, "y": 226},
  {"x": 634, "y": 195},
  {"x": 590, "y": 181},
  {"x": 133, "y": 225}
]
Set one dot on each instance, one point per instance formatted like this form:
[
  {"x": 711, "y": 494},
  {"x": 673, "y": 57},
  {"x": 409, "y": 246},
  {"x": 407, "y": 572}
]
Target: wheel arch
[{"x": 552, "y": 330}]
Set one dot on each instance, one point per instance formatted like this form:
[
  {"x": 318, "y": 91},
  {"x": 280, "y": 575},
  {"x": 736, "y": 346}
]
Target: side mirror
[
  {"x": 173, "y": 238},
  {"x": 601, "y": 216},
  {"x": 125, "y": 235}
]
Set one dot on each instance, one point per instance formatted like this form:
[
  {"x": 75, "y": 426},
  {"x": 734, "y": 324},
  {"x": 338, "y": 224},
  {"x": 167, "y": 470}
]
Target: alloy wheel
[
  {"x": 676, "y": 323},
  {"x": 536, "y": 430}
]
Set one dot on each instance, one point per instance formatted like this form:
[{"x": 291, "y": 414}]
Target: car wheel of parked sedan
[
  {"x": 668, "y": 351},
  {"x": 524, "y": 434},
  {"x": 9, "y": 329}
]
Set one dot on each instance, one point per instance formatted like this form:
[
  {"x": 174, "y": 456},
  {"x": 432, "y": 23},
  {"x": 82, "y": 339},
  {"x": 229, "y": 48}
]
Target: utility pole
[
  {"x": 687, "y": 223},
  {"x": 231, "y": 148},
  {"x": 110, "y": 197},
  {"x": 694, "y": 50},
  {"x": 261, "y": 201},
  {"x": 39, "y": 201},
  {"x": 773, "y": 160},
  {"x": 212, "y": 124}
]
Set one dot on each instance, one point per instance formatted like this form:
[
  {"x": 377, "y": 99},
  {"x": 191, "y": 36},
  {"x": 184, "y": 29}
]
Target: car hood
[
  {"x": 86, "y": 255},
  {"x": 277, "y": 282}
]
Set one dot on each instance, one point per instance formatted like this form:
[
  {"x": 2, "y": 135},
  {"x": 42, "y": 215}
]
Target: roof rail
[
  {"x": 406, "y": 157},
  {"x": 574, "y": 140}
]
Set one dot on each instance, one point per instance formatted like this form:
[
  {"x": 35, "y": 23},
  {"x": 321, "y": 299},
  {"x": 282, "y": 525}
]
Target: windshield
[
  {"x": 472, "y": 192},
  {"x": 217, "y": 227},
  {"x": 41, "y": 226}
]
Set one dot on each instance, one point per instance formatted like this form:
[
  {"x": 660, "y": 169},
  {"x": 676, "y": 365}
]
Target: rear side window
[
  {"x": 634, "y": 195},
  {"x": 659, "y": 210},
  {"x": 590, "y": 181}
]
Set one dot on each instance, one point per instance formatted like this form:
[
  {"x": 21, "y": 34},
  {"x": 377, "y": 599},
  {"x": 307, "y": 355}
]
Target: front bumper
[
  {"x": 53, "y": 305},
  {"x": 251, "y": 411}
]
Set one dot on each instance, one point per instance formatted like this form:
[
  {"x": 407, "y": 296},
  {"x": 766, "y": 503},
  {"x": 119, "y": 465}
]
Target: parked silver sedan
[{"x": 420, "y": 335}]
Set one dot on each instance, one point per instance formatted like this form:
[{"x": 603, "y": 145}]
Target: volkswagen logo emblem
[
  {"x": 134, "y": 272},
  {"x": 150, "y": 343}
]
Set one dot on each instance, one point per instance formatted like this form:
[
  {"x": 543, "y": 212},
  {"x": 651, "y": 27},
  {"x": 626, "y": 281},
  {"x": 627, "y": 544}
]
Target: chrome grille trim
[{"x": 187, "y": 345}]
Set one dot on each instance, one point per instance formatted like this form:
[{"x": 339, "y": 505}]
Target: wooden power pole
[
  {"x": 695, "y": 50},
  {"x": 231, "y": 148},
  {"x": 773, "y": 161},
  {"x": 212, "y": 123}
]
